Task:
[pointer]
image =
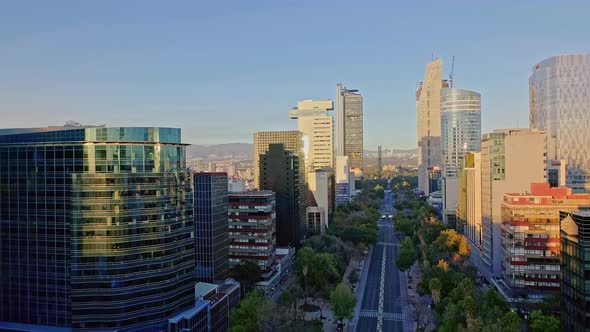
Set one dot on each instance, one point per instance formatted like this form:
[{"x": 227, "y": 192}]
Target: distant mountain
[{"x": 244, "y": 151}]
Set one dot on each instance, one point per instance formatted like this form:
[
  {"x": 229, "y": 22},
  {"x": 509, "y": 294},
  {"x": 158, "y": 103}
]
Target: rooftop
[{"x": 253, "y": 193}]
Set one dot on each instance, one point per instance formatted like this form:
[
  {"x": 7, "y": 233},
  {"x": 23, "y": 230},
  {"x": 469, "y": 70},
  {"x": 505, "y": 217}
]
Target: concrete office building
[
  {"x": 530, "y": 236},
  {"x": 511, "y": 159},
  {"x": 349, "y": 105},
  {"x": 342, "y": 180},
  {"x": 428, "y": 117},
  {"x": 319, "y": 189},
  {"x": 469, "y": 211},
  {"x": 317, "y": 127},
  {"x": 575, "y": 271},
  {"x": 211, "y": 232},
  {"x": 279, "y": 172},
  {"x": 559, "y": 89},
  {"x": 460, "y": 134},
  {"x": 93, "y": 219},
  {"x": 292, "y": 141}
]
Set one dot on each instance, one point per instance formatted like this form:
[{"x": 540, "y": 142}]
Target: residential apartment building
[
  {"x": 211, "y": 232},
  {"x": 252, "y": 232},
  {"x": 91, "y": 220},
  {"x": 531, "y": 236}
]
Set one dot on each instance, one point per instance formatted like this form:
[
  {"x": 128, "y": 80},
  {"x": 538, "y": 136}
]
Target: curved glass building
[
  {"x": 460, "y": 134},
  {"x": 559, "y": 90},
  {"x": 96, "y": 228}
]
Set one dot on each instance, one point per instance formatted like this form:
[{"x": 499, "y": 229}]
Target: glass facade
[
  {"x": 460, "y": 126},
  {"x": 292, "y": 141},
  {"x": 349, "y": 106},
  {"x": 279, "y": 172},
  {"x": 211, "y": 226},
  {"x": 559, "y": 90},
  {"x": 575, "y": 271},
  {"x": 95, "y": 228}
]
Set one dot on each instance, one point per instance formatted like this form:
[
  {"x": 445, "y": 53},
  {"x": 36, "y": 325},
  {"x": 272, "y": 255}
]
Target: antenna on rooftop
[{"x": 451, "y": 75}]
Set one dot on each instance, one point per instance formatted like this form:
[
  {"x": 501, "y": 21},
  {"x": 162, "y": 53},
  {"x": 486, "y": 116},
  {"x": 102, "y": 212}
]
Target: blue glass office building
[{"x": 96, "y": 229}]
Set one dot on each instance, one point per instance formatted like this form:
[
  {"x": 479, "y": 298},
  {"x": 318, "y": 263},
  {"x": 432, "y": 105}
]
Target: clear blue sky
[{"x": 222, "y": 70}]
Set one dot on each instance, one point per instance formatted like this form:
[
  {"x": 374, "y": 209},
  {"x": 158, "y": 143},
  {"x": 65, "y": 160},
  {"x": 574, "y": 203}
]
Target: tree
[
  {"x": 435, "y": 288},
  {"x": 246, "y": 316},
  {"x": 406, "y": 255},
  {"x": 342, "y": 301},
  {"x": 543, "y": 323},
  {"x": 247, "y": 273},
  {"x": 324, "y": 272}
]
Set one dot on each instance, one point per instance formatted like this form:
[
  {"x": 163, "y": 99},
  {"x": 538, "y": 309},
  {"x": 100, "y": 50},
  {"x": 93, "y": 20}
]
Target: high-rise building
[
  {"x": 428, "y": 117},
  {"x": 530, "y": 236},
  {"x": 317, "y": 127},
  {"x": 349, "y": 105},
  {"x": 252, "y": 227},
  {"x": 342, "y": 180},
  {"x": 575, "y": 271},
  {"x": 559, "y": 89},
  {"x": 511, "y": 159},
  {"x": 211, "y": 232},
  {"x": 460, "y": 134},
  {"x": 279, "y": 172},
  {"x": 469, "y": 211},
  {"x": 319, "y": 189},
  {"x": 93, "y": 219},
  {"x": 292, "y": 141}
]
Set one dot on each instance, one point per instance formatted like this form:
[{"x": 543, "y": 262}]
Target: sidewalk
[
  {"x": 360, "y": 291},
  {"x": 420, "y": 305}
]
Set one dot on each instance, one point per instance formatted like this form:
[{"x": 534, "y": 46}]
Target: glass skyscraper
[
  {"x": 460, "y": 133},
  {"x": 95, "y": 228},
  {"x": 350, "y": 125},
  {"x": 211, "y": 227},
  {"x": 559, "y": 90}
]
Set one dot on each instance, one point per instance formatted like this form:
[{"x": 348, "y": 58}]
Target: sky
[{"x": 222, "y": 70}]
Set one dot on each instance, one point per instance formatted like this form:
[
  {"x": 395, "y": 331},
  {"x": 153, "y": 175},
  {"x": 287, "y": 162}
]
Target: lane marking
[{"x": 381, "y": 293}]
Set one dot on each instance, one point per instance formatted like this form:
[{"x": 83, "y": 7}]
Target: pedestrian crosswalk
[{"x": 386, "y": 315}]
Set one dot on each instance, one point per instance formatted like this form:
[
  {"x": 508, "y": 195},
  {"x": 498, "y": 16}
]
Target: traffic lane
[
  {"x": 371, "y": 295},
  {"x": 392, "y": 283},
  {"x": 392, "y": 326},
  {"x": 367, "y": 324}
]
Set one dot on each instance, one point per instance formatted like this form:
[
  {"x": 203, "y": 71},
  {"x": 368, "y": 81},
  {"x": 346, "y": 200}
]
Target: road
[{"x": 381, "y": 309}]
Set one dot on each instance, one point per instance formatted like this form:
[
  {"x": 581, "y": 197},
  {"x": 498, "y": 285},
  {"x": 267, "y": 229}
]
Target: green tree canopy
[
  {"x": 343, "y": 301},
  {"x": 406, "y": 255},
  {"x": 246, "y": 316},
  {"x": 544, "y": 323}
]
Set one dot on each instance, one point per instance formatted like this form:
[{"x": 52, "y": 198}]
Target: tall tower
[
  {"x": 460, "y": 133},
  {"x": 105, "y": 218},
  {"x": 317, "y": 127},
  {"x": 379, "y": 163},
  {"x": 350, "y": 125},
  {"x": 428, "y": 122},
  {"x": 559, "y": 90}
]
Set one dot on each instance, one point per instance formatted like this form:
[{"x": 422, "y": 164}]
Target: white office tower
[
  {"x": 342, "y": 175},
  {"x": 317, "y": 127},
  {"x": 559, "y": 90}
]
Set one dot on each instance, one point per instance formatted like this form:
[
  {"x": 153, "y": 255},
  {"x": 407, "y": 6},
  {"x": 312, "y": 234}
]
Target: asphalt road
[{"x": 380, "y": 307}]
